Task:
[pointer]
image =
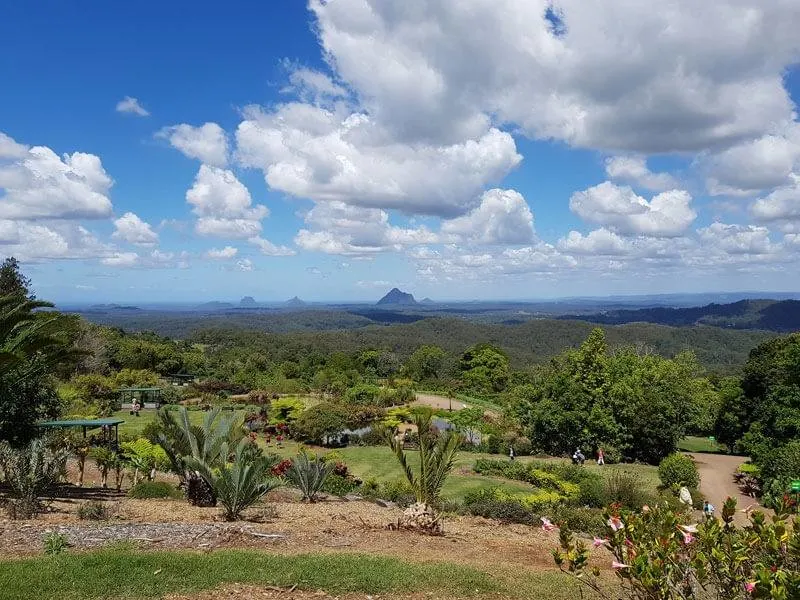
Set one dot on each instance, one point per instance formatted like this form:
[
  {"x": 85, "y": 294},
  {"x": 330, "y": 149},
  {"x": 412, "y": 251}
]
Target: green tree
[
  {"x": 33, "y": 345},
  {"x": 319, "y": 422},
  {"x": 485, "y": 368},
  {"x": 426, "y": 363},
  {"x": 12, "y": 281}
]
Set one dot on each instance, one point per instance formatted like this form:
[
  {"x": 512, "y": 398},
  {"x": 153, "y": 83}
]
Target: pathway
[{"x": 716, "y": 480}]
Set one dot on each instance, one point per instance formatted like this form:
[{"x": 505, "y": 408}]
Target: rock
[
  {"x": 385, "y": 503},
  {"x": 353, "y": 497},
  {"x": 421, "y": 517}
]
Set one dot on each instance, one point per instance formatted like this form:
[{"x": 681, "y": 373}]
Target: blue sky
[{"x": 332, "y": 150}]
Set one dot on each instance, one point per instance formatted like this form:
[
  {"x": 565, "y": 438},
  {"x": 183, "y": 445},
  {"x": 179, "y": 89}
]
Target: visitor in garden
[
  {"x": 136, "y": 408},
  {"x": 685, "y": 497},
  {"x": 600, "y": 457},
  {"x": 708, "y": 509},
  {"x": 511, "y": 454},
  {"x": 578, "y": 458}
]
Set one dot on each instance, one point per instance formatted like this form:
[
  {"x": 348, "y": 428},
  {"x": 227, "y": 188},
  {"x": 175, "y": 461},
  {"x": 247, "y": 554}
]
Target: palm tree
[
  {"x": 437, "y": 455},
  {"x": 204, "y": 444}
]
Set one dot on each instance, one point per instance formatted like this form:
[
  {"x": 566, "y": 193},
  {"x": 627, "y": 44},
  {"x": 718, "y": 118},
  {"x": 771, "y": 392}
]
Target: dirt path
[
  {"x": 435, "y": 401},
  {"x": 716, "y": 480}
]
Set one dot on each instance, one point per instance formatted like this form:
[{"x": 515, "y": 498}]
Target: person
[
  {"x": 136, "y": 407},
  {"x": 684, "y": 496},
  {"x": 578, "y": 458},
  {"x": 511, "y": 454},
  {"x": 708, "y": 509},
  {"x": 600, "y": 457}
]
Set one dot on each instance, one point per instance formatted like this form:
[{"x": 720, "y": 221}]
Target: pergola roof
[
  {"x": 88, "y": 423},
  {"x": 140, "y": 389}
]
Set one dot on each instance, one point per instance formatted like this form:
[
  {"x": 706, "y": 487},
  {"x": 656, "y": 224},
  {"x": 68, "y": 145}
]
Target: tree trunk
[{"x": 198, "y": 492}]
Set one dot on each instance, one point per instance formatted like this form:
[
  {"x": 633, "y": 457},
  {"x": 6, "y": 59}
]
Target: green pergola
[
  {"x": 142, "y": 394},
  {"x": 85, "y": 425},
  {"x": 180, "y": 378}
]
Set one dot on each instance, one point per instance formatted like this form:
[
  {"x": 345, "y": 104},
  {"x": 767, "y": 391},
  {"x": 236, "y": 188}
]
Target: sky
[{"x": 333, "y": 149}]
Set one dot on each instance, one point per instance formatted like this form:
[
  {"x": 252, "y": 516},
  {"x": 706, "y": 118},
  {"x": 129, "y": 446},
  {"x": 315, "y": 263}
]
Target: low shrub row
[{"x": 529, "y": 473}]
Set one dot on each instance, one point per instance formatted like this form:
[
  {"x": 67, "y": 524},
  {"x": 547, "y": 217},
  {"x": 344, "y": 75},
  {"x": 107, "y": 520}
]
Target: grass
[
  {"x": 700, "y": 444},
  {"x": 126, "y": 573},
  {"x": 133, "y": 425}
]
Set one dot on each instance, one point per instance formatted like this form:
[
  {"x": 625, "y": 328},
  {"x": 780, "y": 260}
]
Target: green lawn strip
[
  {"x": 700, "y": 444},
  {"x": 132, "y": 575}
]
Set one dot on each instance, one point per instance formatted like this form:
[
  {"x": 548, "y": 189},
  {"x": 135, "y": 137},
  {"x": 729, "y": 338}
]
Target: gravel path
[{"x": 716, "y": 480}]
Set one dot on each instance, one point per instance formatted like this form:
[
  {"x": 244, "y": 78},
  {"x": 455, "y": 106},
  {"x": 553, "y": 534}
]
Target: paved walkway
[{"x": 716, "y": 480}]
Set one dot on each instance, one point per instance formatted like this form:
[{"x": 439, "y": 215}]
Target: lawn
[
  {"x": 133, "y": 425},
  {"x": 700, "y": 444},
  {"x": 126, "y": 573}
]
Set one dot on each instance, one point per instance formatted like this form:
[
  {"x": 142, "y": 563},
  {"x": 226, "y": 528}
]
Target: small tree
[
  {"x": 28, "y": 473},
  {"x": 678, "y": 469},
  {"x": 309, "y": 475},
  {"x": 104, "y": 458},
  {"x": 437, "y": 455},
  {"x": 240, "y": 484}
]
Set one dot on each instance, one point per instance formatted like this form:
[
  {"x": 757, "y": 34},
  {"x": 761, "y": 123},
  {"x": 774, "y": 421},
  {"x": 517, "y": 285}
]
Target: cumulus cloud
[
  {"x": 597, "y": 242},
  {"x": 679, "y": 77},
  {"x": 338, "y": 228},
  {"x": 207, "y": 143},
  {"x": 634, "y": 170},
  {"x": 245, "y": 265},
  {"x": 50, "y": 240},
  {"x": 334, "y": 155},
  {"x": 502, "y": 217},
  {"x": 131, "y": 106},
  {"x": 781, "y": 206},
  {"x": 737, "y": 239},
  {"x": 267, "y": 248},
  {"x": 225, "y": 253},
  {"x": 618, "y": 208},
  {"x": 121, "y": 259},
  {"x": 10, "y": 148},
  {"x": 38, "y": 184},
  {"x": 223, "y": 205},
  {"x": 130, "y": 228}
]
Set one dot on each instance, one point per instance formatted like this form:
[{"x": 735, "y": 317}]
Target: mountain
[
  {"x": 427, "y": 301},
  {"x": 295, "y": 302},
  {"x": 247, "y": 302},
  {"x": 772, "y": 315},
  {"x": 395, "y": 297}
]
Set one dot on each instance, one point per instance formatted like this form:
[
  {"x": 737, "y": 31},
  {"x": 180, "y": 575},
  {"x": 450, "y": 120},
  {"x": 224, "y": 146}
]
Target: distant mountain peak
[
  {"x": 396, "y": 296},
  {"x": 247, "y": 301},
  {"x": 295, "y": 302},
  {"x": 427, "y": 300}
]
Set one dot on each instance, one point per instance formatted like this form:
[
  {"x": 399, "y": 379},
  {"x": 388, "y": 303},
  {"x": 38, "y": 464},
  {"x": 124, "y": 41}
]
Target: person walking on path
[
  {"x": 600, "y": 457},
  {"x": 511, "y": 454},
  {"x": 708, "y": 509}
]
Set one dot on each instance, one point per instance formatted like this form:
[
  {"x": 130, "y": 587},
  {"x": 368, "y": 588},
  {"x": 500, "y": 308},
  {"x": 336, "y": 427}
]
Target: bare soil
[
  {"x": 249, "y": 592},
  {"x": 717, "y": 483}
]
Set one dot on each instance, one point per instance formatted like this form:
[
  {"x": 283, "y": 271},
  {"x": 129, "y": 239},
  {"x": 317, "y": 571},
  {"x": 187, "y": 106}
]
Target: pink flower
[
  {"x": 688, "y": 538},
  {"x": 615, "y": 523},
  {"x": 619, "y": 565},
  {"x": 645, "y": 509},
  {"x": 750, "y": 586},
  {"x": 547, "y": 525},
  {"x": 597, "y": 542}
]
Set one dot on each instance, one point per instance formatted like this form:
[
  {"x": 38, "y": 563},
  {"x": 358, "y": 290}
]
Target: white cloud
[
  {"x": 131, "y": 106},
  {"x": 223, "y": 205},
  {"x": 130, "y": 228},
  {"x": 681, "y": 76},
  {"x": 338, "y": 228},
  {"x": 37, "y": 184},
  {"x": 326, "y": 155},
  {"x": 11, "y": 149},
  {"x": 598, "y": 242},
  {"x": 618, "y": 208},
  {"x": 634, "y": 170},
  {"x": 503, "y": 217},
  {"x": 782, "y": 205},
  {"x": 245, "y": 265},
  {"x": 207, "y": 143},
  {"x": 269, "y": 249},
  {"x": 225, "y": 253},
  {"x": 737, "y": 239},
  {"x": 312, "y": 86},
  {"x": 121, "y": 259},
  {"x": 49, "y": 240},
  {"x": 763, "y": 163}
]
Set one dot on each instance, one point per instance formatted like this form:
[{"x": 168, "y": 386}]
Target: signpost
[{"x": 795, "y": 489}]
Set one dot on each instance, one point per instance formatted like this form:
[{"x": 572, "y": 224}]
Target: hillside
[
  {"x": 535, "y": 341},
  {"x": 397, "y": 297},
  {"x": 783, "y": 316}
]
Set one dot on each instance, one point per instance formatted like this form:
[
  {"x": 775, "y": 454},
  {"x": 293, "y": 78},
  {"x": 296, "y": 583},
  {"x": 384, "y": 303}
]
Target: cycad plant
[
  {"x": 241, "y": 483},
  {"x": 207, "y": 444},
  {"x": 104, "y": 458},
  {"x": 309, "y": 475},
  {"x": 437, "y": 455},
  {"x": 28, "y": 473}
]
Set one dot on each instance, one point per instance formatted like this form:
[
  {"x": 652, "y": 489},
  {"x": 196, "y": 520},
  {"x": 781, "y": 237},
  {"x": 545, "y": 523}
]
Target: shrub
[
  {"x": 528, "y": 473},
  {"x": 625, "y": 489},
  {"x": 55, "y": 543},
  {"x": 593, "y": 493},
  {"x": 339, "y": 485},
  {"x": 678, "y": 470},
  {"x": 488, "y": 499},
  {"x": 154, "y": 489},
  {"x": 579, "y": 519},
  {"x": 400, "y": 492},
  {"x": 488, "y": 504},
  {"x": 309, "y": 475},
  {"x": 92, "y": 511},
  {"x": 370, "y": 488},
  {"x": 28, "y": 473}
]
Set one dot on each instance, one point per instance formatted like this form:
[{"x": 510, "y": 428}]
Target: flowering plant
[{"x": 658, "y": 554}]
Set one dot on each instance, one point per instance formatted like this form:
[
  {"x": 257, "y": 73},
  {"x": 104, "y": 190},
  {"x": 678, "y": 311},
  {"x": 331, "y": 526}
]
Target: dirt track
[
  {"x": 435, "y": 401},
  {"x": 716, "y": 480}
]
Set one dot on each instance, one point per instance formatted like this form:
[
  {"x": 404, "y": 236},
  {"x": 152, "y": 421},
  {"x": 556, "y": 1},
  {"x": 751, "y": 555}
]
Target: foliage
[
  {"x": 55, "y": 543},
  {"x": 309, "y": 475},
  {"x": 490, "y": 504},
  {"x": 286, "y": 410},
  {"x": 657, "y": 555},
  {"x": 427, "y": 362},
  {"x": 437, "y": 454},
  {"x": 205, "y": 445},
  {"x": 105, "y": 459},
  {"x": 678, "y": 470},
  {"x": 340, "y": 485},
  {"x": 34, "y": 344},
  {"x": 154, "y": 489},
  {"x": 92, "y": 510},
  {"x": 625, "y": 489},
  {"x": 398, "y": 491},
  {"x": 320, "y": 422},
  {"x": 485, "y": 368},
  {"x": 28, "y": 473},
  {"x": 639, "y": 404},
  {"x": 238, "y": 484},
  {"x": 528, "y": 473},
  {"x": 12, "y": 280}
]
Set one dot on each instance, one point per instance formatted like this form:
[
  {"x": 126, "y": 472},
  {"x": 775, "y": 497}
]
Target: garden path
[{"x": 716, "y": 481}]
